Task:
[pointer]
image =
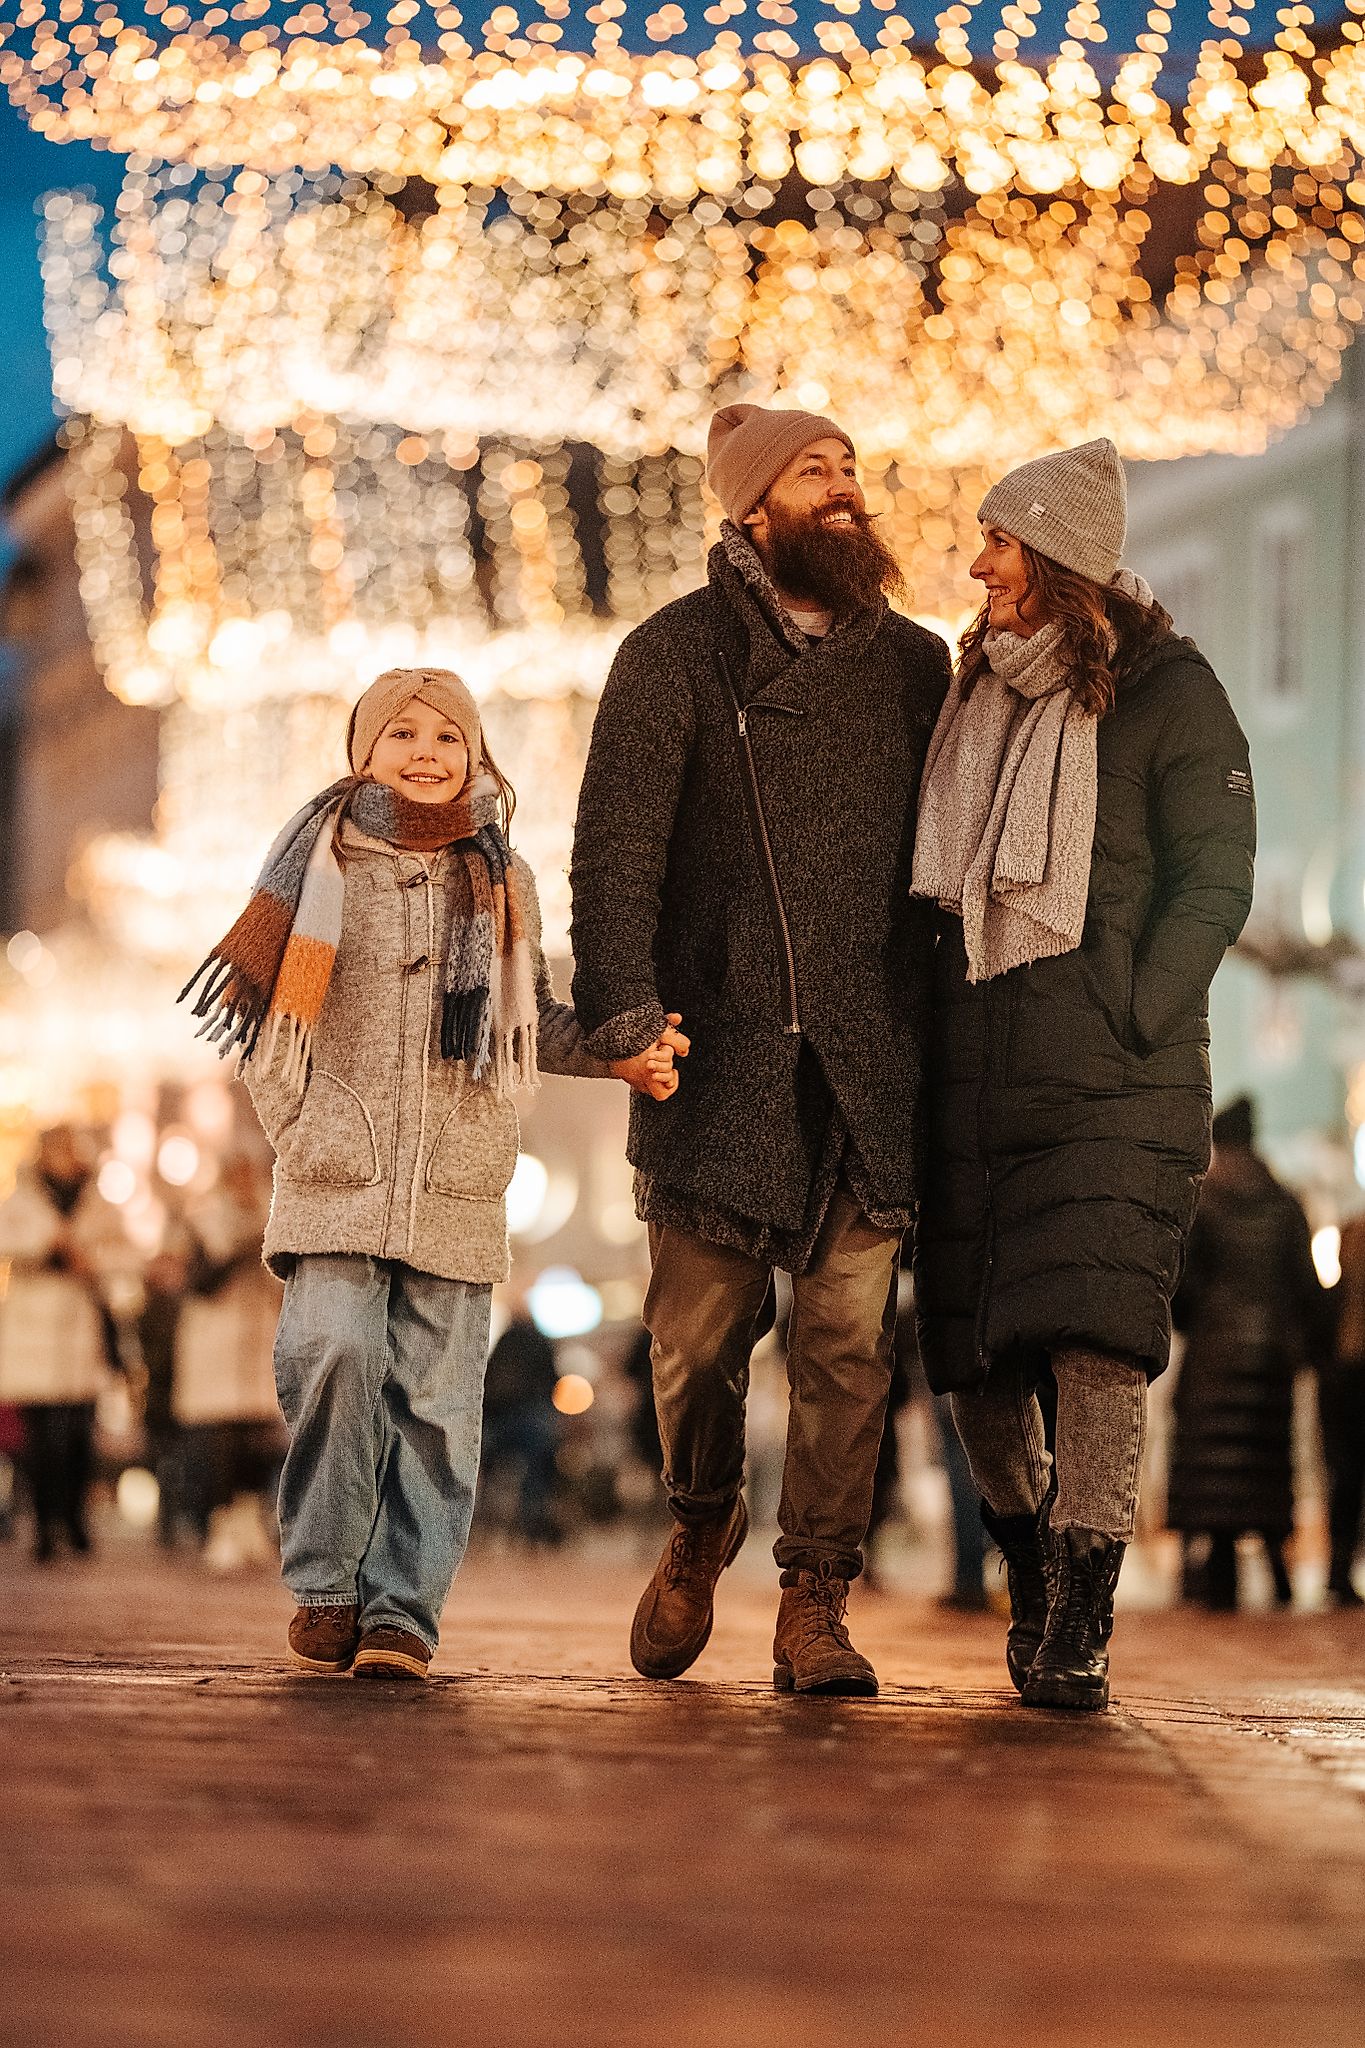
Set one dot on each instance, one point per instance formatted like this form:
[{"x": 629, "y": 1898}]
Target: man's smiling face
[{"x": 815, "y": 536}]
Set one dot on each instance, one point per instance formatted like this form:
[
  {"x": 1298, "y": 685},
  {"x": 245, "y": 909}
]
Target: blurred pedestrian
[
  {"x": 224, "y": 1401},
  {"x": 910, "y": 1391},
  {"x": 1087, "y": 827},
  {"x": 163, "y": 1291},
  {"x": 57, "y": 1340},
  {"x": 387, "y": 987},
  {"x": 1254, "y": 1314},
  {"x": 521, "y": 1427},
  {"x": 1341, "y": 1412}
]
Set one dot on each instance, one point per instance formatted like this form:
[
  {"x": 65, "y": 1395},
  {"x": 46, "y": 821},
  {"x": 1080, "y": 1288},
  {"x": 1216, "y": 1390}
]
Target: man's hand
[{"x": 652, "y": 1071}]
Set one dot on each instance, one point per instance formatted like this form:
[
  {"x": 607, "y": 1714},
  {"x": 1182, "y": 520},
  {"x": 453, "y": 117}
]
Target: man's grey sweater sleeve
[{"x": 641, "y": 740}]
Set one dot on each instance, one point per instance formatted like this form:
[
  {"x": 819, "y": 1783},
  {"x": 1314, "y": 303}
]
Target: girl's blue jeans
[{"x": 380, "y": 1376}]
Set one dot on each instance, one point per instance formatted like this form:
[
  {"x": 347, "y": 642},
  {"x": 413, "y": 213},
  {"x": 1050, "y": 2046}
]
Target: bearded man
[{"x": 741, "y": 866}]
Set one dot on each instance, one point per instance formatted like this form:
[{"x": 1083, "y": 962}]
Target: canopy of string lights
[
  {"x": 405, "y": 333},
  {"x": 966, "y": 259}
]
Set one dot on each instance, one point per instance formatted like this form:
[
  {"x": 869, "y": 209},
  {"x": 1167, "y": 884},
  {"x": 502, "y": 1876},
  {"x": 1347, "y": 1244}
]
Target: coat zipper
[
  {"x": 759, "y": 824},
  {"x": 983, "y": 1359}
]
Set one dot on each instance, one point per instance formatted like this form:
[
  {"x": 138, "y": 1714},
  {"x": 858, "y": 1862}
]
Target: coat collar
[{"x": 775, "y": 643}]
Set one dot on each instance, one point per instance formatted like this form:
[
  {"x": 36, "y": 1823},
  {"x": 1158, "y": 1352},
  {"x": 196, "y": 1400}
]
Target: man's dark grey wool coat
[{"x": 742, "y": 855}]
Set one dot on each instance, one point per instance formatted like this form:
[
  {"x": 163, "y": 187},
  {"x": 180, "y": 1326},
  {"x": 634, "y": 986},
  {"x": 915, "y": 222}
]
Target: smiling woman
[{"x": 1086, "y": 829}]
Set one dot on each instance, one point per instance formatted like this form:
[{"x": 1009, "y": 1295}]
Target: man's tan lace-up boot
[
  {"x": 811, "y": 1650},
  {"x": 673, "y": 1620}
]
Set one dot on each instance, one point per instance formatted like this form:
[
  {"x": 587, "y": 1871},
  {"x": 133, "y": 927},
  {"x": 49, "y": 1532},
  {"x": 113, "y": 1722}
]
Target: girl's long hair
[
  {"x": 1104, "y": 631},
  {"x": 507, "y": 796}
]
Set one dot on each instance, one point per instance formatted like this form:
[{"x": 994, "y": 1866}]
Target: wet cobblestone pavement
[{"x": 201, "y": 1850}]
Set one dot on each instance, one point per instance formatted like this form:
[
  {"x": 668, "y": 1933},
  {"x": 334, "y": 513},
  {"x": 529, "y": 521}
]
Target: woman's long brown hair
[{"x": 1104, "y": 631}]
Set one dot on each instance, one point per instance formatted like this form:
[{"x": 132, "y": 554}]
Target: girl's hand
[
  {"x": 671, "y": 1036},
  {"x": 650, "y": 1072}
]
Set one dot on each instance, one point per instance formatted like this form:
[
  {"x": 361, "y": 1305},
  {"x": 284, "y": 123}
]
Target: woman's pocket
[
  {"x": 1067, "y": 1028},
  {"x": 333, "y": 1143},
  {"x": 1107, "y": 972}
]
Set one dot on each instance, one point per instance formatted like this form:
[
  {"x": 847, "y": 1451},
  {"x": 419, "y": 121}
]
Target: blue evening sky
[{"x": 29, "y": 167}]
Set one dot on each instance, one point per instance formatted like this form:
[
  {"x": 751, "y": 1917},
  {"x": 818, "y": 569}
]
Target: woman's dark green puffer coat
[{"x": 1069, "y": 1100}]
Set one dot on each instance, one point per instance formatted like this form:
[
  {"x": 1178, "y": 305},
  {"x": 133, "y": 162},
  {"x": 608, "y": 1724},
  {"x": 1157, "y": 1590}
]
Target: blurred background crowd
[{"x": 137, "y": 1398}]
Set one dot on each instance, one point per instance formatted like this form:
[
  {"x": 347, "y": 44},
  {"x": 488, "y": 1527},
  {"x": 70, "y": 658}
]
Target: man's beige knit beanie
[
  {"x": 386, "y": 696},
  {"x": 1071, "y": 507},
  {"x": 749, "y": 446}
]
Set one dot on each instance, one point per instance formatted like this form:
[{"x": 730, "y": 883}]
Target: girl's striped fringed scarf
[{"x": 267, "y": 979}]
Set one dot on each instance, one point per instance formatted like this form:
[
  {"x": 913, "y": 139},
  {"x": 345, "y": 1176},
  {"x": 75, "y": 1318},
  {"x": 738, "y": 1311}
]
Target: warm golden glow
[
  {"x": 464, "y": 422},
  {"x": 428, "y": 103}
]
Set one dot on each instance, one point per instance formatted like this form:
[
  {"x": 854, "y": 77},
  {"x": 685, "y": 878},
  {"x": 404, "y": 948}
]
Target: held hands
[{"x": 652, "y": 1071}]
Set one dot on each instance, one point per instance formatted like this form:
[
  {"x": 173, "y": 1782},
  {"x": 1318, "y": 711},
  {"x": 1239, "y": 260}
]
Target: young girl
[{"x": 387, "y": 988}]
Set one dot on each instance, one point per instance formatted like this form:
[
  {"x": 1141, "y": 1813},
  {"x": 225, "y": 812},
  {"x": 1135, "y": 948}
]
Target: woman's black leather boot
[
  {"x": 1072, "y": 1665},
  {"x": 1022, "y": 1540}
]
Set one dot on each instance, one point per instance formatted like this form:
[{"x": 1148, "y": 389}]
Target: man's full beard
[{"x": 839, "y": 567}]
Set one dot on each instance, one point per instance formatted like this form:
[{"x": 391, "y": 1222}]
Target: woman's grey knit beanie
[{"x": 1071, "y": 507}]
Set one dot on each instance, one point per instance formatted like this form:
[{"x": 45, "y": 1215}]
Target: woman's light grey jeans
[{"x": 1101, "y": 1424}]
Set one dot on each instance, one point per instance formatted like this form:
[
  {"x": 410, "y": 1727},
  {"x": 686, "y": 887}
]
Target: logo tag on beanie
[
  {"x": 1239, "y": 782},
  {"x": 1036, "y": 511}
]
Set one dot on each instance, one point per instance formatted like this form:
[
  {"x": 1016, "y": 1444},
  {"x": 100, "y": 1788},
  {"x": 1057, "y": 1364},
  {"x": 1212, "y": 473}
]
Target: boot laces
[
  {"x": 1082, "y": 1599},
  {"x": 828, "y": 1599},
  {"x": 687, "y": 1554}
]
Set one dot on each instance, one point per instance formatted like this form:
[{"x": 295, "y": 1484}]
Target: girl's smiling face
[{"x": 422, "y": 754}]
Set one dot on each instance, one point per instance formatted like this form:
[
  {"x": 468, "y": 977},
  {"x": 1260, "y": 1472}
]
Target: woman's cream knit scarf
[{"x": 1007, "y": 808}]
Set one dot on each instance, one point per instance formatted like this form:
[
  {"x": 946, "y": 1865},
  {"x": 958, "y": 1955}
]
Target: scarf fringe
[
  {"x": 465, "y": 1025},
  {"x": 232, "y": 1009},
  {"x": 285, "y": 943},
  {"x": 298, "y": 1049}
]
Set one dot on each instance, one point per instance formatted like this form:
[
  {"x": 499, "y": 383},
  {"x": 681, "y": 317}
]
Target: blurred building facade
[
  {"x": 75, "y": 761},
  {"x": 1257, "y": 560}
]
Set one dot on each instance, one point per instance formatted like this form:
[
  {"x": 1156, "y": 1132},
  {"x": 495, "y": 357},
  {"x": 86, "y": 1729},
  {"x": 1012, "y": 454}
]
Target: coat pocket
[
  {"x": 475, "y": 1153},
  {"x": 1107, "y": 971},
  {"x": 1064, "y": 1032},
  {"x": 333, "y": 1143}
]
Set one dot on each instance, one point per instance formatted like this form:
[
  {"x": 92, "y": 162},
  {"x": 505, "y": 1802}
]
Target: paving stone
[{"x": 202, "y": 1850}]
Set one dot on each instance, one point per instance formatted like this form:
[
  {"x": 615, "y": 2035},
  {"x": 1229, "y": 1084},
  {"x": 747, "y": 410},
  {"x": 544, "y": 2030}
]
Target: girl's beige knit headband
[{"x": 386, "y": 696}]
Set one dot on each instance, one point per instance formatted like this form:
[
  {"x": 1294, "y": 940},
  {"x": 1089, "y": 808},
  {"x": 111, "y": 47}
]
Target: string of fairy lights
[
  {"x": 403, "y": 337},
  {"x": 207, "y": 83}
]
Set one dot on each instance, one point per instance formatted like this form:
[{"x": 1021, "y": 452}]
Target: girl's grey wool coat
[{"x": 392, "y": 1150}]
